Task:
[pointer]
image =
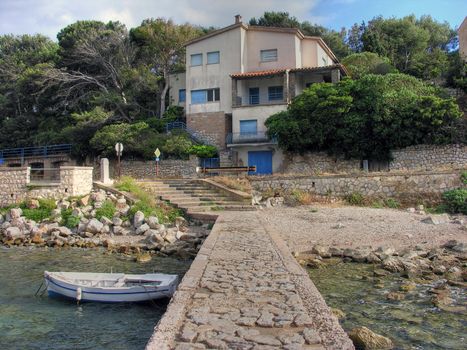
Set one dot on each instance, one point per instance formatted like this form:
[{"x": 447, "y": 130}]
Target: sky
[{"x": 49, "y": 16}]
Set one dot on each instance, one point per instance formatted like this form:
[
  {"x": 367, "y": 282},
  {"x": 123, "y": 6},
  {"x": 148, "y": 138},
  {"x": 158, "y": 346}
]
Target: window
[
  {"x": 213, "y": 57},
  {"x": 181, "y": 95},
  {"x": 268, "y": 55},
  {"x": 203, "y": 96},
  {"x": 197, "y": 59},
  {"x": 275, "y": 93},
  {"x": 254, "y": 96},
  {"x": 248, "y": 127}
]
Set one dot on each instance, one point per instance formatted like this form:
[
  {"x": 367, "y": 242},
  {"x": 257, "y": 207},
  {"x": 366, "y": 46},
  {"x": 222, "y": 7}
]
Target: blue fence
[
  {"x": 41, "y": 151},
  {"x": 209, "y": 162}
]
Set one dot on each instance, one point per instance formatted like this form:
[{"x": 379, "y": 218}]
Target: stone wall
[
  {"x": 16, "y": 186},
  {"x": 429, "y": 157},
  {"x": 404, "y": 186},
  {"x": 138, "y": 169},
  {"x": 212, "y": 126},
  {"x": 421, "y": 157}
]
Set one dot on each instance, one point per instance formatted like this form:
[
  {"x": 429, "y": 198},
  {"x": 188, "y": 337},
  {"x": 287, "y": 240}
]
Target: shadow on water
[{"x": 28, "y": 322}]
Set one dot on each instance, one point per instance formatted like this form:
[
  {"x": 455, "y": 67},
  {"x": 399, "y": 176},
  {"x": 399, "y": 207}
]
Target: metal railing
[
  {"x": 194, "y": 135},
  {"x": 209, "y": 162},
  {"x": 40, "y": 151},
  {"x": 250, "y": 137},
  {"x": 254, "y": 101},
  {"x": 44, "y": 175}
]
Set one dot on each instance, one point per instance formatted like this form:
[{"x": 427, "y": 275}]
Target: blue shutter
[
  {"x": 198, "y": 96},
  {"x": 248, "y": 127},
  {"x": 213, "y": 57},
  {"x": 197, "y": 59},
  {"x": 275, "y": 93},
  {"x": 181, "y": 95},
  {"x": 254, "y": 96}
]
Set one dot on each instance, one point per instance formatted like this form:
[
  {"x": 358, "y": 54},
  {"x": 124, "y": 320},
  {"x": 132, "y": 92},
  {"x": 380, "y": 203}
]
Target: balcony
[{"x": 249, "y": 138}]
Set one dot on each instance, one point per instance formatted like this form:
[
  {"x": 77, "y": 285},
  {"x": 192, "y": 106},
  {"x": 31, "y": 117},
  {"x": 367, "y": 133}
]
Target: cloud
[{"x": 49, "y": 16}]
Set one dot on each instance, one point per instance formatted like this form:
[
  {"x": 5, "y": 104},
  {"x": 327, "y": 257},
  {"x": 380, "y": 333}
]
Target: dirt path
[{"x": 303, "y": 227}]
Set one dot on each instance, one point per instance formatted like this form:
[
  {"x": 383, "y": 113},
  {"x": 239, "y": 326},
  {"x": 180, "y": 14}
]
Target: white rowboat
[{"x": 110, "y": 287}]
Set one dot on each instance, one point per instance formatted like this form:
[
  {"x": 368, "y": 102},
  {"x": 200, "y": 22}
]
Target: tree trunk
[{"x": 164, "y": 92}]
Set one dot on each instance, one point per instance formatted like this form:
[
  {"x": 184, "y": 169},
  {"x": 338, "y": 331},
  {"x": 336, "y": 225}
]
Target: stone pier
[{"x": 245, "y": 290}]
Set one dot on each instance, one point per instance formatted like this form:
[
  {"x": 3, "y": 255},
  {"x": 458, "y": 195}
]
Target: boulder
[
  {"x": 94, "y": 226},
  {"x": 365, "y": 339},
  {"x": 64, "y": 231},
  {"x": 393, "y": 264},
  {"x": 2, "y": 219},
  {"x": 138, "y": 219},
  {"x": 55, "y": 213},
  {"x": 99, "y": 196},
  {"x": 322, "y": 251},
  {"x": 154, "y": 237},
  {"x": 385, "y": 250},
  {"x": 153, "y": 222},
  {"x": 105, "y": 230},
  {"x": 396, "y": 296},
  {"x": 12, "y": 233},
  {"x": 170, "y": 236},
  {"x": 336, "y": 251},
  {"x": 184, "y": 236},
  {"x": 143, "y": 257},
  {"x": 15, "y": 213},
  {"x": 32, "y": 203},
  {"x": 142, "y": 229},
  {"x": 117, "y": 221},
  {"x": 118, "y": 230},
  {"x": 437, "y": 219},
  {"x": 84, "y": 201},
  {"x": 36, "y": 238},
  {"x": 106, "y": 221},
  {"x": 108, "y": 243},
  {"x": 360, "y": 255},
  {"x": 77, "y": 212},
  {"x": 460, "y": 248},
  {"x": 180, "y": 222},
  {"x": 63, "y": 205}
]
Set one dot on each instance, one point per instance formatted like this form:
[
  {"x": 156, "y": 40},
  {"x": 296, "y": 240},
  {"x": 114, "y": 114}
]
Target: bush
[
  {"x": 203, "y": 151},
  {"x": 391, "y": 203},
  {"x": 68, "y": 219},
  {"x": 108, "y": 210},
  {"x": 302, "y": 197},
  {"x": 355, "y": 198},
  {"x": 455, "y": 201},
  {"x": 464, "y": 177},
  {"x": 43, "y": 212}
]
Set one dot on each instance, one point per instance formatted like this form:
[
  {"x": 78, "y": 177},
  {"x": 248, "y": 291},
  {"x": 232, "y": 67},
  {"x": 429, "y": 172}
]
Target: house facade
[
  {"x": 462, "y": 31},
  {"x": 238, "y": 76}
]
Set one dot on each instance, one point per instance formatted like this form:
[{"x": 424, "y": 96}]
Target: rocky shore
[{"x": 85, "y": 227}]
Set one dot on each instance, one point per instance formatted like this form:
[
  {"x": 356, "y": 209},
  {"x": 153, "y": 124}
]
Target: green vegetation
[
  {"x": 68, "y": 219},
  {"x": 362, "y": 63},
  {"x": 455, "y": 201},
  {"x": 464, "y": 177},
  {"x": 203, "y": 151},
  {"x": 366, "y": 118},
  {"x": 43, "y": 212},
  {"x": 386, "y": 203},
  {"x": 146, "y": 202},
  {"x": 108, "y": 210},
  {"x": 355, "y": 198}
]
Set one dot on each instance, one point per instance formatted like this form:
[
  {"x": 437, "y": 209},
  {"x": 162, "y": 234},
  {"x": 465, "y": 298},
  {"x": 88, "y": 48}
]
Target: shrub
[
  {"x": 302, "y": 197},
  {"x": 203, "y": 151},
  {"x": 464, "y": 177},
  {"x": 108, "y": 210},
  {"x": 355, "y": 198},
  {"x": 37, "y": 215},
  {"x": 391, "y": 203},
  {"x": 455, "y": 201},
  {"x": 68, "y": 219}
]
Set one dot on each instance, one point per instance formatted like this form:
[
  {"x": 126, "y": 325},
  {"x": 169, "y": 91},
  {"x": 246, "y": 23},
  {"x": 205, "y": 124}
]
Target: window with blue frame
[
  {"x": 196, "y": 59},
  {"x": 254, "y": 96},
  {"x": 213, "y": 57},
  {"x": 275, "y": 93},
  {"x": 268, "y": 55},
  {"x": 248, "y": 127},
  {"x": 181, "y": 95},
  {"x": 206, "y": 95}
]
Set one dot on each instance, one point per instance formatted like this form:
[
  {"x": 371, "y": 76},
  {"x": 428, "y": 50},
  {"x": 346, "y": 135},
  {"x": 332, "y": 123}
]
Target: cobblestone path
[{"x": 247, "y": 297}]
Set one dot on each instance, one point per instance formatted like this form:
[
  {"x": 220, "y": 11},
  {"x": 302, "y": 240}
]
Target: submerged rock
[
  {"x": 365, "y": 339},
  {"x": 143, "y": 257}
]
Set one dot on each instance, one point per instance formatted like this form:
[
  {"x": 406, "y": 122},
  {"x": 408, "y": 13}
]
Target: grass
[
  {"x": 108, "y": 210},
  {"x": 302, "y": 197},
  {"x": 68, "y": 219},
  {"x": 355, "y": 198},
  {"x": 39, "y": 214},
  {"x": 146, "y": 202}
]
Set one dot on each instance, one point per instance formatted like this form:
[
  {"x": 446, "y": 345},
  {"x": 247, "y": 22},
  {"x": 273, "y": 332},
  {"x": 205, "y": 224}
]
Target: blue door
[{"x": 262, "y": 160}]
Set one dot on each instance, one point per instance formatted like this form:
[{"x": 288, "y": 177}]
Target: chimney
[{"x": 238, "y": 19}]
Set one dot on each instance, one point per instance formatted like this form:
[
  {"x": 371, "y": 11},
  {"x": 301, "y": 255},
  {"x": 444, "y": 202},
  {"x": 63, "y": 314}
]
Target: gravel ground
[{"x": 356, "y": 227}]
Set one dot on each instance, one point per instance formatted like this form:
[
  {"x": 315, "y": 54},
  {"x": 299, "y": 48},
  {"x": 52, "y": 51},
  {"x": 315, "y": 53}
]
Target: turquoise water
[
  {"x": 413, "y": 323},
  {"x": 29, "y": 322}
]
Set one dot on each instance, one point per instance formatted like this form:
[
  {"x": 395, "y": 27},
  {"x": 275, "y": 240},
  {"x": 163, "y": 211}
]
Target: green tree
[
  {"x": 365, "y": 118},
  {"x": 161, "y": 47},
  {"x": 359, "y": 64}
]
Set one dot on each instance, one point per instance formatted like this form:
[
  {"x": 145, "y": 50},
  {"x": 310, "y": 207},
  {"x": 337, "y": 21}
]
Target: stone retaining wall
[
  {"x": 420, "y": 157},
  {"x": 16, "y": 186},
  {"x": 139, "y": 169},
  {"x": 401, "y": 185}
]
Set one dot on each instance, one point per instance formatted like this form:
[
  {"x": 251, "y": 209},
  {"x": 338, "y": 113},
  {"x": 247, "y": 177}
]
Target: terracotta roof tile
[
  {"x": 262, "y": 73},
  {"x": 271, "y": 72}
]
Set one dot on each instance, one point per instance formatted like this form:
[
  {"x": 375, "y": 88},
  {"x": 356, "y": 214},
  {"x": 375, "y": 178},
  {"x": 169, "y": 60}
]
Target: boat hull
[{"x": 56, "y": 287}]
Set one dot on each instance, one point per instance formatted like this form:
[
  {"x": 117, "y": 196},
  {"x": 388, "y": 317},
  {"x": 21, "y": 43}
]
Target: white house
[{"x": 238, "y": 76}]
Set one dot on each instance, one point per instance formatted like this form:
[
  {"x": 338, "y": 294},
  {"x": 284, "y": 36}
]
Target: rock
[
  {"x": 64, "y": 231},
  {"x": 393, "y": 264},
  {"x": 77, "y": 212},
  {"x": 338, "y": 252},
  {"x": 180, "y": 222},
  {"x": 338, "y": 226},
  {"x": 439, "y": 269},
  {"x": 385, "y": 250},
  {"x": 143, "y": 257},
  {"x": 315, "y": 264},
  {"x": 408, "y": 287},
  {"x": 338, "y": 313},
  {"x": 32, "y": 203},
  {"x": 437, "y": 219},
  {"x": 363, "y": 338},
  {"x": 84, "y": 201},
  {"x": 170, "y": 236},
  {"x": 12, "y": 233},
  {"x": 360, "y": 255},
  {"x": 411, "y": 210},
  {"x": 63, "y": 205},
  {"x": 154, "y": 237},
  {"x": 460, "y": 248},
  {"x": 105, "y": 230},
  {"x": 322, "y": 251},
  {"x": 15, "y": 213},
  {"x": 117, "y": 221},
  {"x": 142, "y": 229},
  {"x": 98, "y": 196},
  {"x": 94, "y": 226},
  {"x": 55, "y": 213},
  {"x": 372, "y": 258},
  {"x": 153, "y": 222},
  {"x": 138, "y": 219},
  {"x": 395, "y": 296},
  {"x": 106, "y": 221},
  {"x": 36, "y": 238},
  {"x": 108, "y": 243}
]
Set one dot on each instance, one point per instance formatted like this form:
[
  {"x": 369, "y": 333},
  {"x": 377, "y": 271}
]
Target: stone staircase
[{"x": 195, "y": 196}]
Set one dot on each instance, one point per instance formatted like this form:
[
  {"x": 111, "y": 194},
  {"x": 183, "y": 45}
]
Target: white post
[{"x": 105, "y": 175}]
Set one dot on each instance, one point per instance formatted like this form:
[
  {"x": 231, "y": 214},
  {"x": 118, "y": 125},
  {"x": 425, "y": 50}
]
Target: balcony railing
[
  {"x": 250, "y": 137},
  {"x": 253, "y": 101},
  {"x": 42, "y": 151}
]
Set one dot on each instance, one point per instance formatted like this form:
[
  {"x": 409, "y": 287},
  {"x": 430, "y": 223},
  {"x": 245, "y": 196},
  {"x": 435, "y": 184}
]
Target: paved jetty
[{"x": 245, "y": 290}]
